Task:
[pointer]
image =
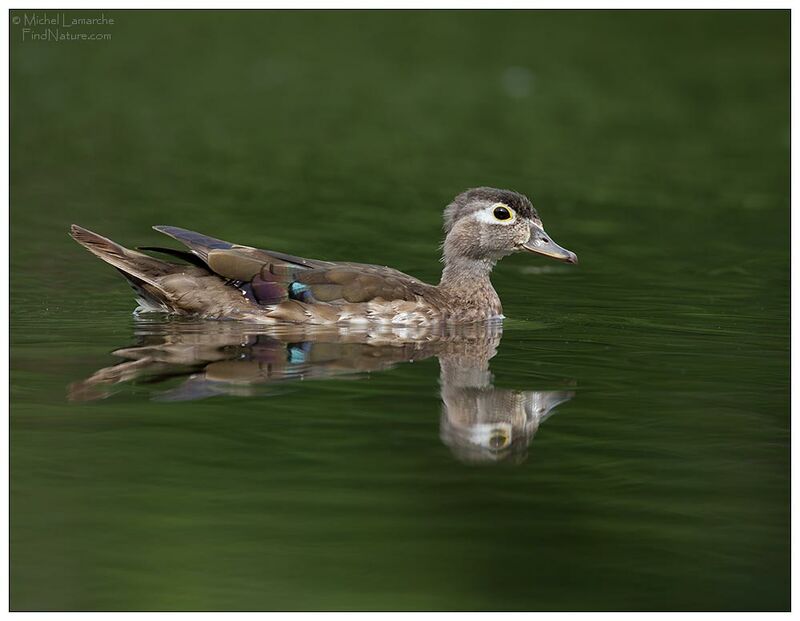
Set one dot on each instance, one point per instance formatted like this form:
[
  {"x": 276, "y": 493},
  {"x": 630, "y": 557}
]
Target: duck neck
[
  {"x": 465, "y": 274},
  {"x": 467, "y": 281}
]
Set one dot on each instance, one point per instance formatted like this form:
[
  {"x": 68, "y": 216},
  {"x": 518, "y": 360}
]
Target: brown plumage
[{"x": 221, "y": 280}]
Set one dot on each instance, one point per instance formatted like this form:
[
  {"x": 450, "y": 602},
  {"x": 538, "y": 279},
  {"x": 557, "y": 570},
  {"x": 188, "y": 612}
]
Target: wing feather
[{"x": 268, "y": 277}]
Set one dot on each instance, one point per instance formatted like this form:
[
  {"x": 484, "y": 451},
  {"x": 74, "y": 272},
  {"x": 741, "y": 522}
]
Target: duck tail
[{"x": 142, "y": 271}]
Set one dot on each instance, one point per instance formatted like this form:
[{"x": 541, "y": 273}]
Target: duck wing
[{"x": 268, "y": 277}]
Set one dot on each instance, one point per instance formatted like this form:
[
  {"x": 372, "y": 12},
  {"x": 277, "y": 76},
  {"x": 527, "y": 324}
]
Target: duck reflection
[{"x": 479, "y": 423}]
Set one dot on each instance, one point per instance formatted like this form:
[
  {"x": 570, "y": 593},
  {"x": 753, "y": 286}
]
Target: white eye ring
[
  {"x": 486, "y": 435},
  {"x": 502, "y": 212},
  {"x": 488, "y": 215}
]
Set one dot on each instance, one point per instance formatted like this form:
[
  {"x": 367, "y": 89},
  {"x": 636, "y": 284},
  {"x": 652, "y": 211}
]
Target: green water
[{"x": 655, "y": 145}]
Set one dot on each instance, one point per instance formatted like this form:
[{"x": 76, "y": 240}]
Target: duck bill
[{"x": 540, "y": 243}]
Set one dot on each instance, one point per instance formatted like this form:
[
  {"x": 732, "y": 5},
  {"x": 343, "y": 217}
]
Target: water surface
[{"x": 318, "y": 472}]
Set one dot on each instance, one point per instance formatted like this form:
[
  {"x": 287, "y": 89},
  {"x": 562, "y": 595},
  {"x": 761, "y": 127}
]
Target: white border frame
[{"x": 351, "y": 4}]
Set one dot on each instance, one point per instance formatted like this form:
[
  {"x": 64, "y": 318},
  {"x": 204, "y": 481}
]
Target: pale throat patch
[{"x": 486, "y": 215}]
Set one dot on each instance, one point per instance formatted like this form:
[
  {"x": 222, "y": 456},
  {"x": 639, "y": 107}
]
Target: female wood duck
[{"x": 229, "y": 281}]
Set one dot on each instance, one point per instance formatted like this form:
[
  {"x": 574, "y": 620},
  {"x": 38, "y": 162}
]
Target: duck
[{"x": 216, "y": 279}]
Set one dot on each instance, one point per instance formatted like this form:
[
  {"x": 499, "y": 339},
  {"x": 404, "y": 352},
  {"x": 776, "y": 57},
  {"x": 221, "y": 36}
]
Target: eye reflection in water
[{"x": 479, "y": 423}]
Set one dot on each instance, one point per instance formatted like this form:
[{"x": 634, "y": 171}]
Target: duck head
[
  {"x": 488, "y": 424},
  {"x": 488, "y": 224}
]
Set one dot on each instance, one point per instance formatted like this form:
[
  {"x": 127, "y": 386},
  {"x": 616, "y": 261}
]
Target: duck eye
[
  {"x": 498, "y": 440},
  {"x": 502, "y": 213}
]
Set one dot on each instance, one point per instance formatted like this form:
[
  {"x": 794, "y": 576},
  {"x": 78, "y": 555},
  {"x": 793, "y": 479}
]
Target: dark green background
[{"x": 654, "y": 144}]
